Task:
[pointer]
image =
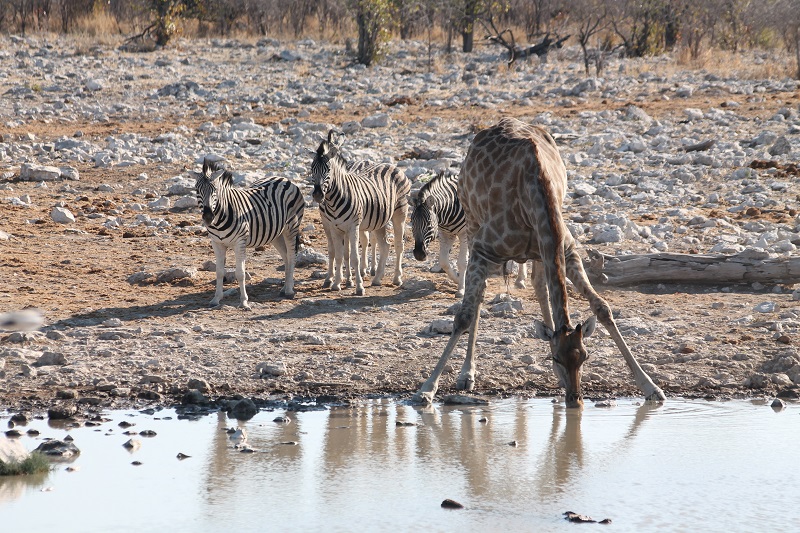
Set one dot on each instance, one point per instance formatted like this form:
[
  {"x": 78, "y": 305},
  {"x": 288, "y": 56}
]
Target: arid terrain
[{"x": 107, "y": 341}]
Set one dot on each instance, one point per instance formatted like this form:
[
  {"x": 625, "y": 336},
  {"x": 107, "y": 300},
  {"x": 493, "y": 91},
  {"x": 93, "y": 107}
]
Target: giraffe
[{"x": 512, "y": 189}]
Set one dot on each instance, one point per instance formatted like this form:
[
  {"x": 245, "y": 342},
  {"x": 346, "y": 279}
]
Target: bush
[{"x": 35, "y": 463}]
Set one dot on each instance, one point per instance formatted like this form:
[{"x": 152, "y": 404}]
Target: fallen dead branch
[{"x": 746, "y": 267}]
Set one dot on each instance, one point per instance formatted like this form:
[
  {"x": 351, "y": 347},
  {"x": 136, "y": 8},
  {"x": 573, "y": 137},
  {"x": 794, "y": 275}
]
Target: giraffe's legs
[
  {"x": 542, "y": 294},
  {"x": 463, "y": 257},
  {"x": 601, "y": 309},
  {"x": 466, "y": 319}
]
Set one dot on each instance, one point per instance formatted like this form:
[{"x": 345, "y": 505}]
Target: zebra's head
[
  {"x": 424, "y": 224},
  {"x": 327, "y": 152},
  {"x": 208, "y": 184}
]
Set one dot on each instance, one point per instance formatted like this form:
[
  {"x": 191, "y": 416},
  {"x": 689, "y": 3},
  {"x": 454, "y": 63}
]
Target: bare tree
[{"x": 589, "y": 18}]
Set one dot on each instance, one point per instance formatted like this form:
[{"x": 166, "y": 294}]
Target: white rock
[
  {"x": 62, "y": 215},
  {"x": 32, "y": 172},
  {"x": 766, "y": 307},
  {"x": 94, "y": 85},
  {"x": 583, "y": 189},
  {"x": 381, "y": 120}
]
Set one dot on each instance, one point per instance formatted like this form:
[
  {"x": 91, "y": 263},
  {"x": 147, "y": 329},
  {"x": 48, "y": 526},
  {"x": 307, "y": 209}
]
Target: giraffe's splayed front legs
[
  {"x": 466, "y": 319},
  {"x": 601, "y": 309}
]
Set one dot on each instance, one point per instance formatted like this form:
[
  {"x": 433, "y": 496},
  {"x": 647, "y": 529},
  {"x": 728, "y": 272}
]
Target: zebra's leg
[
  {"x": 363, "y": 239},
  {"x": 602, "y": 310},
  {"x": 522, "y": 274},
  {"x": 329, "y": 240},
  {"x": 241, "y": 247},
  {"x": 339, "y": 255},
  {"x": 466, "y": 319},
  {"x": 463, "y": 257},
  {"x": 379, "y": 236},
  {"x": 399, "y": 226},
  {"x": 220, "y": 250},
  {"x": 352, "y": 242},
  {"x": 446, "y": 242},
  {"x": 285, "y": 246},
  {"x": 373, "y": 258}
]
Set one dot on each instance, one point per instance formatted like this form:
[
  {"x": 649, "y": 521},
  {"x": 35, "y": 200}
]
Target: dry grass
[
  {"x": 35, "y": 463},
  {"x": 747, "y": 64}
]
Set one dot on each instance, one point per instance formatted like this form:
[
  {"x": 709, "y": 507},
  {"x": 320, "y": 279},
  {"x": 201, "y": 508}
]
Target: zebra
[
  {"x": 363, "y": 238},
  {"x": 354, "y": 202},
  {"x": 268, "y": 212},
  {"x": 436, "y": 210}
]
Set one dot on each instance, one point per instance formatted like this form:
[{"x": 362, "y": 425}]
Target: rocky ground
[{"x": 100, "y": 230}]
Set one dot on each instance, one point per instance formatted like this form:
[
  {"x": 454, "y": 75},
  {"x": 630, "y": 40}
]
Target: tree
[
  {"x": 646, "y": 27},
  {"x": 589, "y": 17},
  {"x": 374, "y": 21}
]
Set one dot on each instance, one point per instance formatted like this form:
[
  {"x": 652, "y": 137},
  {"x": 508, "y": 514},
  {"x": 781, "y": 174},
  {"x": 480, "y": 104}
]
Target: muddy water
[{"x": 516, "y": 465}]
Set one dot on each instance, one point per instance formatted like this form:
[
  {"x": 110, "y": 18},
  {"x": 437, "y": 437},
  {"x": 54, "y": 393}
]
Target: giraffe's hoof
[
  {"x": 360, "y": 292},
  {"x": 465, "y": 383},
  {"x": 520, "y": 285},
  {"x": 422, "y": 398},
  {"x": 376, "y": 282},
  {"x": 656, "y": 396},
  {"x": 288, "y": 295},
  {"x": 327, "y": 283},
  {"x": 246, "y": 306}
]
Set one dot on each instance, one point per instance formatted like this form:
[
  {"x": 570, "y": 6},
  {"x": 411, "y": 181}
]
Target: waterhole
[{"x": 380, "y": 465}]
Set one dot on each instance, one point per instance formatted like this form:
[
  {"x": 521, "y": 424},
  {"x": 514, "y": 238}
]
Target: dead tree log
[
  {"x": 745, "y": 267},
  {"x": 505, "y": 39}
]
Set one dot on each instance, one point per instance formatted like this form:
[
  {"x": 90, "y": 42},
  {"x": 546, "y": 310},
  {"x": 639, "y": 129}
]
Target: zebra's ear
[
  {"x": 429, "y": 201},
  {"x": 336, "y": 138}
]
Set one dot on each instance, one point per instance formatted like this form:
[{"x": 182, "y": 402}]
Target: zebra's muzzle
[
  {"x": 316, "y": 194},
  {"x": 208, "y": 215},
  {"x": 420, "y": 254}
]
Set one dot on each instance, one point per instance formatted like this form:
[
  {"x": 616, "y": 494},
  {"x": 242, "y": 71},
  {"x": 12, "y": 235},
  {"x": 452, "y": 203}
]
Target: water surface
[{"x": 516, "y": 465}]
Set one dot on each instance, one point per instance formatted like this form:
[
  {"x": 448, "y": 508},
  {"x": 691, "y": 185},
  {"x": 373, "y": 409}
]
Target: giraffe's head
[
  {"x": 569, "y": 354},
  {"x": 327, "y": 151},
  {"x": 207, "y": 186},
  {"x": 424, "y": 224}
]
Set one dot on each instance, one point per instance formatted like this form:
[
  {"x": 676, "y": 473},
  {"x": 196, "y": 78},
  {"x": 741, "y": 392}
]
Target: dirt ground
[{"x": 77, "y": 276}]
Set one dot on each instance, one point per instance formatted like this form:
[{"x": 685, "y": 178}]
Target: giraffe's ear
[
  {"x": 587, "y": 328},
  {"x": 542, "y": 331}
]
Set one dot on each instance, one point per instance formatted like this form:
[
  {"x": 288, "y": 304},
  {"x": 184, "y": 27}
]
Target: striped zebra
[
  {"x": 363, "y": 238},
  {"x": 436, "y": 212},
  {"x": 269, "y": 212},
  {"x": 354, "y": 202}
]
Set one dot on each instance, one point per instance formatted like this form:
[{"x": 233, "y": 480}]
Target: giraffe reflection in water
[{"x": 339, "y": 457}]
